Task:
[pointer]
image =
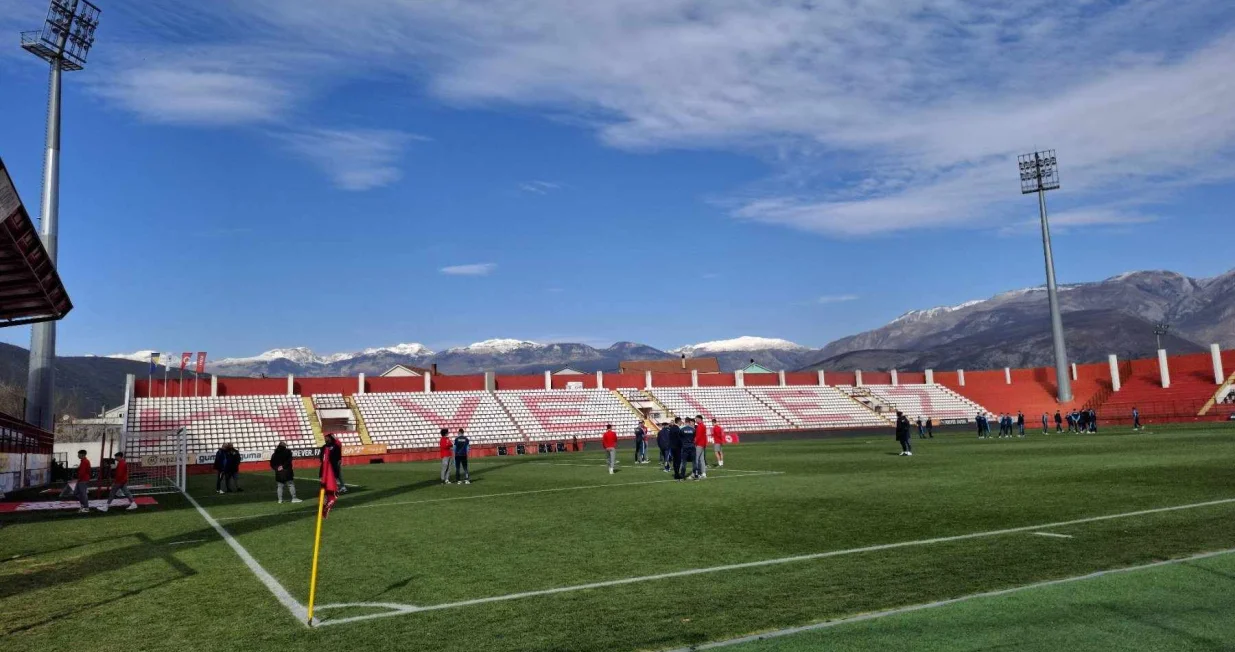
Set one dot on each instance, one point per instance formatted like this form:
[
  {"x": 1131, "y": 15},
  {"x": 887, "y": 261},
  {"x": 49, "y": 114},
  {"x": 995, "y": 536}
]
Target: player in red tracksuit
[
  {"x": 700, "y": 469},
  {"x": 609, "y": 441},
  {"x": 718, "y": 441},
  {"x": 120, "y": 484},
  {"x": 82, "y": 489},
  {"x": 446, "y": 449}
]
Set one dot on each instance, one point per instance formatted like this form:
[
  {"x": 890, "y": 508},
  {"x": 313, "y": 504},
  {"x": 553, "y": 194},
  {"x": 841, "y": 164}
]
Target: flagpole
[
  {"x": 317, "y": 544},
  {"x": 164, "y": 381},
  {"x": 180, "y": 385}
]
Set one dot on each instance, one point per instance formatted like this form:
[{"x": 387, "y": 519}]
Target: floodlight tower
[
  {"x": 1160, "y": 329},
  {"x": 63, "y": 42},
  {"x": 1040, "y": 174}
]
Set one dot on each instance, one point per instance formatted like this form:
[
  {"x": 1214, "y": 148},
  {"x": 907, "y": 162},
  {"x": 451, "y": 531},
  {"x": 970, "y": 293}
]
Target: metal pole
[
  {"x": 41, "y": 381},
  {"x": 1062, "y": 378}
]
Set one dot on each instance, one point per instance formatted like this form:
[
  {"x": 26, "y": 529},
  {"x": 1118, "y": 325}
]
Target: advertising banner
[{"x": 368, "y": 449}]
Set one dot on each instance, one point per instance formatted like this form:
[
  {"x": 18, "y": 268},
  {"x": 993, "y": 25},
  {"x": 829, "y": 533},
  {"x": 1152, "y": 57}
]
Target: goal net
[{"x": 157, "y": 461}]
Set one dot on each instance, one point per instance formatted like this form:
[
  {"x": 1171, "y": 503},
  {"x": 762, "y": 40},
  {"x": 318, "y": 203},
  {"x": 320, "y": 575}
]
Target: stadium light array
[
  {"x": 64, "y": 43},
  {"x": 1040, "y": 173}
]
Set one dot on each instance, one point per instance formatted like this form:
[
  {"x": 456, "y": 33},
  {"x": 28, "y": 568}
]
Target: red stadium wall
[
  {"x": 839, "y": 377},
  {"x": 801, "y": 378},
  {"x": 710, "y": 380},
  {"x": 311, "y": 386},
  {"x": 911, "y": 377},
  {"x": 761, "y": 380},
  {"x": 675, "y": 380},
  {"x": 394, "y": 384},
  {"x": 520, "y": 382},
  {"x": 619, "y": 381},
  {"x": 252, "y": 386},
  {"x": 588, "y": 380},
  {"x": 459, "y": 383},
  {"x": 876, "y": 378}
]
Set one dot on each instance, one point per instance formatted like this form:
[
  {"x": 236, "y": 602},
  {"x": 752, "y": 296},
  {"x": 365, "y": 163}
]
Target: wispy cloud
[
  {"x": 473, "y": 269},
  {"x": 354, "y": 159},
  {"x": 540, "y": 187},
  {"x": 836, "y": 298},
  {"x": 1072, "y": 219},
  {"x": 877, "y": 116}
]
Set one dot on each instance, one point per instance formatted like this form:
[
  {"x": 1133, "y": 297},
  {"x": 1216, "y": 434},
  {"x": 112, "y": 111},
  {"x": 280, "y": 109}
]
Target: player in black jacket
[{"x": 902, "y": 433}]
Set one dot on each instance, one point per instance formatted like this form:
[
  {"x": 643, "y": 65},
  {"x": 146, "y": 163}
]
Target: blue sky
[{"x": 249, "y": 175}]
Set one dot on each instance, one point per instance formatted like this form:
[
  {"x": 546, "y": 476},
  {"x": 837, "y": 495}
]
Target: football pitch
[{"x": 1118, "y": 540}]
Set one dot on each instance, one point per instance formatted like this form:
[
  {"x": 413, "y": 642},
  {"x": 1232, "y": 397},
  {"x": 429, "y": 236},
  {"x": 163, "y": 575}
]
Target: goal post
[{"x": 157, "y": 461}]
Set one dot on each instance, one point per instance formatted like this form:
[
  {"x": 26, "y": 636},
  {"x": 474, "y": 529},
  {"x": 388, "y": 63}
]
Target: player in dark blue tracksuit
[
  {"x": 462, "y": 444},
  {"x": 662, "y": 442},
  {"x": 688, "y": 448},
  {"x": 675, "y": 449}
]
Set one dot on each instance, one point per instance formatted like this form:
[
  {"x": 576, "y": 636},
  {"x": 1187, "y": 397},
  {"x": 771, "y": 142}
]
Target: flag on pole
[
  {"x": 325, "y": 500},
  {"x": 154, "y": 362},
  {"x": 167, "y": 362},
  {"x": 184, "y": 360},
  {"x": 201, "y": 362}
]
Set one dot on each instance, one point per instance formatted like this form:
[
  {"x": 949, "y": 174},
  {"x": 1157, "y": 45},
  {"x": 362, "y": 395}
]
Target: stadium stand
[
  {"x": 818, "y": 407},
  {"x": 934, "y": 401},
  {"x": 735, "y": 408},
  {"x": 555, "y": 414},
  {"x": 251, "y": 423},
  {"x": 413, "y": 419},
  {"x": 348, "y": 438},
  {"x": 1192, "y": 385},
  {"x": 330, "y": 402},
  {"x": 1032, "y": 390}
]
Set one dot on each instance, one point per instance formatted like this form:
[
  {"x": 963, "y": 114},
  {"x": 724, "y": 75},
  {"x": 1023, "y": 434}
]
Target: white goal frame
[{"x": 157, "y": 461}]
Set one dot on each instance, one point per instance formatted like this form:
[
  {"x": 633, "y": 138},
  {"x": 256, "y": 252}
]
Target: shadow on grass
[{"x": 146, "y": 549}]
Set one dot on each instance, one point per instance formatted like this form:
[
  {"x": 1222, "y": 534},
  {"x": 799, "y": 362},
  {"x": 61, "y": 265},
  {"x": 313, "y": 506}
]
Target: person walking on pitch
[
  {"x": 641, "y": 444},
  {"x": 120, "y": 484},
  {"x": 608, "y": 441},
  {"x": 1020, "y": 423},
  {"x": 462, "y": 444},
  {"x": 688, "y": 446},
  {"x": 675, "y": 449},
  {"x": 332, "y": 452},
  {"x": 662, "y": 442},
  {"x": 902, "y": 433},
  {"x": 1045, "y": 421},
  {"x": 718, "y": 443},
  {"x": 1136, "y": 419},
  {"x": 281, "y": 462},
  {"x": 81, "y": 490},
  {"x": 930, "y": 428},
  {"x": 445, "y": 450},
  {"x": 701, "y": 449}
]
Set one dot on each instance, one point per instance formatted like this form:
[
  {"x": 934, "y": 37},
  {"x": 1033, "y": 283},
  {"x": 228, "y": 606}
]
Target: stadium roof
[
  {"x": 30, "y": 288},
  {"x": 703, "y": 365}
]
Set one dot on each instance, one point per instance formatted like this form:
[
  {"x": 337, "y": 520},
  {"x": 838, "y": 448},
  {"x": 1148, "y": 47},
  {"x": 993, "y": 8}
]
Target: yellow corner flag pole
[{"x": 317, "y": 544}]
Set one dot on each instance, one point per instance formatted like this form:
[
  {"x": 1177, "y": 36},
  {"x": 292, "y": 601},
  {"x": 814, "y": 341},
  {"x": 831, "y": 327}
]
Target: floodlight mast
[
  {"x": 1039, "y": 174},
  {"x": 64, "y": 42}
]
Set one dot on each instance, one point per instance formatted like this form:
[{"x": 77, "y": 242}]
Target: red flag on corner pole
[{"x": 325, "y": 500}]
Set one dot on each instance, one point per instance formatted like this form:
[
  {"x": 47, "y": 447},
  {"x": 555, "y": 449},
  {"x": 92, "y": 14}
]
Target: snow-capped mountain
[
  {"x": 743, "y": 343},
  {"x": 136, "y": 356},
  {"x": 1114, "y": 315},
  {"x": 305, "y": 356},
  {"x": 495, "y": 347}
]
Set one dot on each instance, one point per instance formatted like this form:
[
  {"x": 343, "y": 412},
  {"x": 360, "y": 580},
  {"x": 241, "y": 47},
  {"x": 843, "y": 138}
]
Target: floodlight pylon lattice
[
  {"x": 64, "y": 42},
  {"x": 1040, "y": 173}
]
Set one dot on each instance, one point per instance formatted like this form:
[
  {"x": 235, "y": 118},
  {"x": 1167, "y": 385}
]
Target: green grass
[{"x": 164, "y": 575}]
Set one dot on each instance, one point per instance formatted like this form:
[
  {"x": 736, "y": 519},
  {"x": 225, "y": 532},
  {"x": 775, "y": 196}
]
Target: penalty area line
[
  {"x": 943, "y": 603},
  {"x": 406, "y": 609}
]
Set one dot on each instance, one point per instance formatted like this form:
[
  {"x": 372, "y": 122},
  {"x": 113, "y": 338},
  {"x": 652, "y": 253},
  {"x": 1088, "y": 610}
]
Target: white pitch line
[
  {"x": 736, "y": 474},
  {"x": 180, "y": 543},
  {"x": 299, "y": 611},
  {"x": 776, "y": 561},
  {"x": 1052, "y": 534},
  {"x": 942, "y": 603}
]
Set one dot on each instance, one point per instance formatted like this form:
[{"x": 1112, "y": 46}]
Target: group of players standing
[{"x": 680, "y": 442}]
